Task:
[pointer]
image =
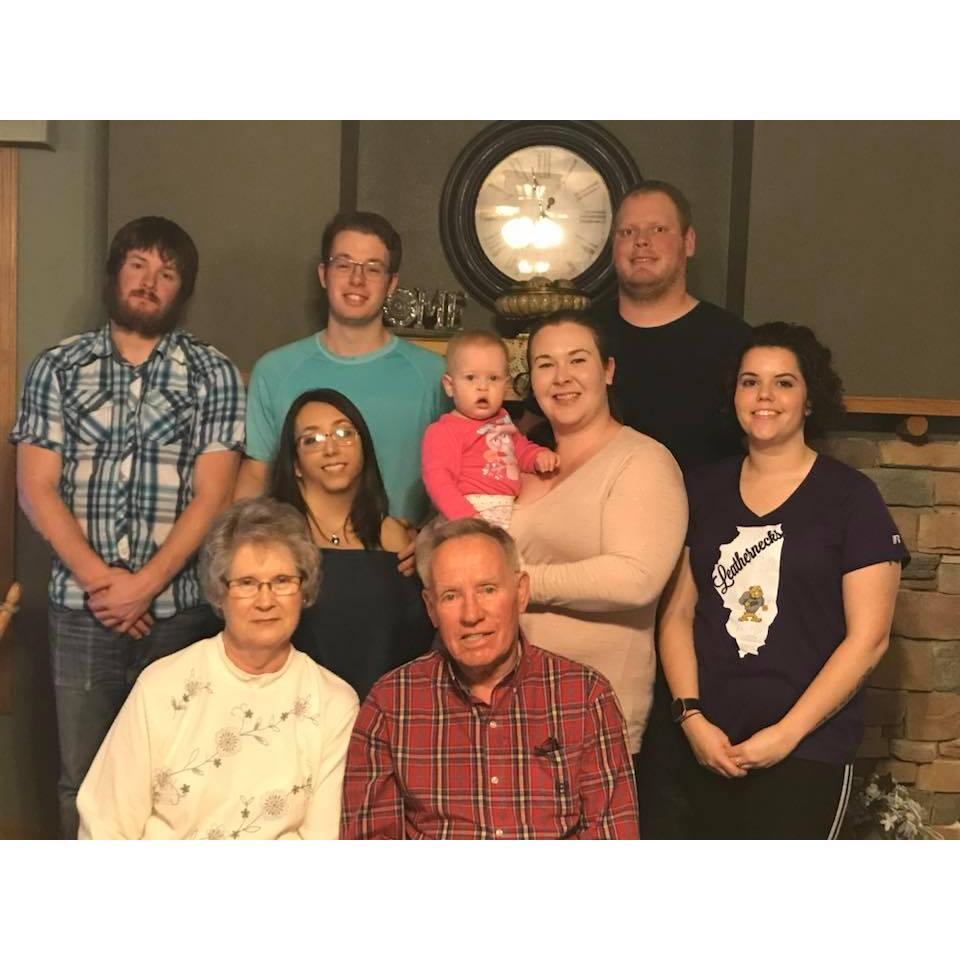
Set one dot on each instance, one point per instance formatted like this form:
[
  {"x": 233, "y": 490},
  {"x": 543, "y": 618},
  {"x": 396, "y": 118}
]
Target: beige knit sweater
[{"x": 599, "y": 548}]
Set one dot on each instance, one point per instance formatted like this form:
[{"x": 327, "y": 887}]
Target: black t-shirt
[
  {"x": 669, "y": 380},
  {"x": 770, "y": 595}
]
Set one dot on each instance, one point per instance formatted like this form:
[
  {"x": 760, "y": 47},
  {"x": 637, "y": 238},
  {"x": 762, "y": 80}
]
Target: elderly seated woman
[{"x": 238, "y": 736}]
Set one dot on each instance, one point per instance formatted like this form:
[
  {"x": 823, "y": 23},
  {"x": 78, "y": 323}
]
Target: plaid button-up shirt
[
  {"x": 128, "y": 438},
  {"x": 546, "y": 759}
]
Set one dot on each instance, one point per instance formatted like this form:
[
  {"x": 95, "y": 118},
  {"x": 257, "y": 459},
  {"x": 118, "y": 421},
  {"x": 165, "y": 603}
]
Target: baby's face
[{"x": 477, "y": 380}]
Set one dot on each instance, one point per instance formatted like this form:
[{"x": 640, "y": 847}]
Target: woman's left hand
[{"x": 765, "y": 748}]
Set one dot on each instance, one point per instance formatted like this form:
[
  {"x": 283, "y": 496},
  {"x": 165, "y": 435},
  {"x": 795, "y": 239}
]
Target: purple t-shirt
[{"x": 770, "y": 595}]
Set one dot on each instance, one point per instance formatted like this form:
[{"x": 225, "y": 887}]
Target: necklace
[{"x": 330, "y": 538}]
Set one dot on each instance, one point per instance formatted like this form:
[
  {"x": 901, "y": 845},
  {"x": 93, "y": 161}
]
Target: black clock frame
[{"x": 458, "y": 231}]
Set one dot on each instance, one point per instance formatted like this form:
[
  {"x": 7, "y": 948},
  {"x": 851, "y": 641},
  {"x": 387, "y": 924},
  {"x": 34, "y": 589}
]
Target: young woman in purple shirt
[{"x": 781, "y": 605}]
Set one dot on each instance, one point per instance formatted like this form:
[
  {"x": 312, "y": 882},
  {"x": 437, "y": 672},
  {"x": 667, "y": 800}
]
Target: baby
[{"x": 472, "y": 458}]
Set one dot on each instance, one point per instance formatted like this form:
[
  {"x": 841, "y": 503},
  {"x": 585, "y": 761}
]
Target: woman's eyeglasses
[
  {"x": 247, "y": 587},
  {"x": 311, "y": 441}
]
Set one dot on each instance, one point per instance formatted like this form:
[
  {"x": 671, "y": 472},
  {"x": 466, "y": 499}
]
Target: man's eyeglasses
[
  {"x": 311, "y": 441},
  {"x": 245, "y": 588},
  {"x": 344, "y": 267}
]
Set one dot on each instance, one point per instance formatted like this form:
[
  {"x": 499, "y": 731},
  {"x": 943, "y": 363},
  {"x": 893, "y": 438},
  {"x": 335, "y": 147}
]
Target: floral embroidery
[
  {"x": 273, "y": 806},
  {"x": 168, "y": 788},
  {"x": 191, "y": 688},
  {"x": 227, "y": 741},
  {"x": 164, "y": 789}
]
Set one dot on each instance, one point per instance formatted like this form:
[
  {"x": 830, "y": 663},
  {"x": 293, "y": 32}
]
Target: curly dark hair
[
  {"x": 824, "y": 386},
  {"x": 369, "y": 507}
]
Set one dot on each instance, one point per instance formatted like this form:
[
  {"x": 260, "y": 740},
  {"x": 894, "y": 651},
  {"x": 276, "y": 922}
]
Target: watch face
[{"x": 543, "y": 211}]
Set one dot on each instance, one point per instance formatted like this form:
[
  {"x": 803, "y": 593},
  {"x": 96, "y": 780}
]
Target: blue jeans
[{"x": 93, "y": 671}]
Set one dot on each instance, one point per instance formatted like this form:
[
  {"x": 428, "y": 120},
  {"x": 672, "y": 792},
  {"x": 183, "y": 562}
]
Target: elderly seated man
[
  {"x": 488, "y": 738},
  {"x": 238, "y": 736}
]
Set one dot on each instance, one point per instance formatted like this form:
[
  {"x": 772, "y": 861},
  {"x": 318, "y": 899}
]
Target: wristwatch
[{"x": 682, "y": 706}]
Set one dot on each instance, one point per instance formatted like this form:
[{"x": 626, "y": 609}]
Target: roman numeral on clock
[
  {"x": 586, "y": 191},
  {"x": 593, "y": 216},
  {"x": 591, "y": 248}
]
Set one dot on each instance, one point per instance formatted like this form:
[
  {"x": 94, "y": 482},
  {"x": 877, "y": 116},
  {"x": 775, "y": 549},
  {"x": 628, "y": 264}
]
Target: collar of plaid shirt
[{"x": 169, "y": 345}]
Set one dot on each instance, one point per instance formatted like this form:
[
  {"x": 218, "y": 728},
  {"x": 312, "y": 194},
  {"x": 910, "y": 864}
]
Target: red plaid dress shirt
[{"x": 546, "y": 759}]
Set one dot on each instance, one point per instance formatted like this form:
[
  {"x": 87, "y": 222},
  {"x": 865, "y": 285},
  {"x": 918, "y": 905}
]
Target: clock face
[
  {"x": 543, "y": 211},
  {"x": 529, "y": 199}
]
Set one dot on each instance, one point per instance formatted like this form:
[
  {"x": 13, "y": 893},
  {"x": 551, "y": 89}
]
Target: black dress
[{"x": 368, "y": 619}]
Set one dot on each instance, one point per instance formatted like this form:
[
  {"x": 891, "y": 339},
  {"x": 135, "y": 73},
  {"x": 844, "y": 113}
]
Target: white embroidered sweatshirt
[{"x": 202, "y": 750}]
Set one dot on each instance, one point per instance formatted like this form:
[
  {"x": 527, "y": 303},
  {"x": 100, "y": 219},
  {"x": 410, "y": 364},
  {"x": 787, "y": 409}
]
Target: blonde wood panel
[
  {"x": 903, "y": 406},
  {"x": 8, "y": 396}
]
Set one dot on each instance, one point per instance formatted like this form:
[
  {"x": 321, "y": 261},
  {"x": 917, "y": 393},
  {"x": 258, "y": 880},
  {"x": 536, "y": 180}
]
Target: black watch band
[{"x": 682, "y": 706}]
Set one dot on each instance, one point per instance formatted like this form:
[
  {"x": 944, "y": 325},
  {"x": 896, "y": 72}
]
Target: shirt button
[
  {"x": 493, "y": 724},
  {"x": 123, "y": 548},
  {"x": 494, "y": 780},
  {"x": 498, "y": 833}
]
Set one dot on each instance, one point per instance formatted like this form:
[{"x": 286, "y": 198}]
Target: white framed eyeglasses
[{"x": 342, "y": 435}]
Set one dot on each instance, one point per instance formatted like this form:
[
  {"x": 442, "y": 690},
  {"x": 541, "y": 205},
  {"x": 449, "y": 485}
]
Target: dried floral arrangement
[{"x": 882, "y": 809}]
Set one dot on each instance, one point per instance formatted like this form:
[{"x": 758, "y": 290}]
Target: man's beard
[{"x": 145, "y": 324}]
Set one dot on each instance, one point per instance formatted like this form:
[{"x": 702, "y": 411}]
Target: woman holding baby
[{"x": 601, "y": 534}]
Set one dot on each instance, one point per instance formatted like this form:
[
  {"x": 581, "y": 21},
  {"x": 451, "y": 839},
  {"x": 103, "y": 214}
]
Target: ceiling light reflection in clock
[
  {"x": 525, "y": 267},
  {"x": 518, "y": 232}
]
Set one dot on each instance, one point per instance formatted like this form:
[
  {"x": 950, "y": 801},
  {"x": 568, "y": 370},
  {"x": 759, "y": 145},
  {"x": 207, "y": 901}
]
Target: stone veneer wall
[{"x": 913, "y": 697}]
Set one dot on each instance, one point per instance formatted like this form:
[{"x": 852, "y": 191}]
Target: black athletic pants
[{"x": 796, "y": 799}]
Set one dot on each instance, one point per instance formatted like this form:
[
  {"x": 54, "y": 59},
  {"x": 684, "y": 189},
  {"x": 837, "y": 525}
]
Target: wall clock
[{"x": 534, "y": 198}]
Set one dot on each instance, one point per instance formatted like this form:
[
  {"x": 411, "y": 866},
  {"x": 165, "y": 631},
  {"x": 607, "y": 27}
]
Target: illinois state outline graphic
[{"x": 747, "y": 579}]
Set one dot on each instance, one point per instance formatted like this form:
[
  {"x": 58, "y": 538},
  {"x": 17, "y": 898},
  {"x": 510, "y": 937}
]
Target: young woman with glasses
[{"x": 370, "y": 618}]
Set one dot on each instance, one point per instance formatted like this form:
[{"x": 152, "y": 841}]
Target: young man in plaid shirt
[
  {"x": 129, "y": 440},
  {"x": 489, "y": 738}
]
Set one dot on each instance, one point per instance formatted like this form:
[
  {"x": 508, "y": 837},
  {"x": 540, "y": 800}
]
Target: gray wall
[
  {"x": 696, "y": 155},
  {"x": 855, "y": 230},
  {"x": 254, "y": 197},
  {"x": 61, "y": 237}
]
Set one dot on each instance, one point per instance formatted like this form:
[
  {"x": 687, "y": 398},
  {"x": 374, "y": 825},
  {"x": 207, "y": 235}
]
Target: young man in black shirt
[{"x": 673, "y": 353}]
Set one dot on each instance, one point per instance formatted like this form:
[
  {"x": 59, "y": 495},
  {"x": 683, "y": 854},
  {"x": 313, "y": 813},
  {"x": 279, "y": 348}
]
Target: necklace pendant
[{"x": 335, "y": 540}]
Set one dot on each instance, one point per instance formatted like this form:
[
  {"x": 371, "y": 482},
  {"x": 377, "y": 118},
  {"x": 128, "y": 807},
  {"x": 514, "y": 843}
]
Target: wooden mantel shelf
[{"x": 903, "y": 406}]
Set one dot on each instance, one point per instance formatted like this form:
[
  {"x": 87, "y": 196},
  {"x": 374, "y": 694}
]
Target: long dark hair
[{"x": 369, "y": 507}]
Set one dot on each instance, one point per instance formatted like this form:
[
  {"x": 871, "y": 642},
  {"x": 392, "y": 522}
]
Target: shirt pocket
[
  {"x": 550, "y": 783},
  {"x": 88, "y": 416},
  {"x": 167, "y": 417}
]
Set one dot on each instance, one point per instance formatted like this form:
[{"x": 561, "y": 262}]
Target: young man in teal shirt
[{"x": 395, "y": 384}]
